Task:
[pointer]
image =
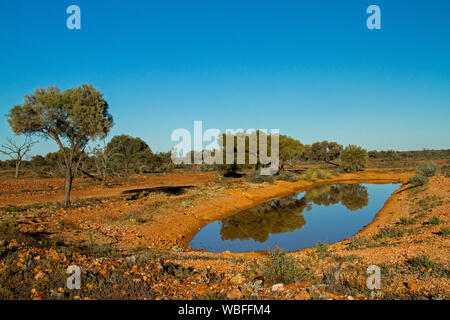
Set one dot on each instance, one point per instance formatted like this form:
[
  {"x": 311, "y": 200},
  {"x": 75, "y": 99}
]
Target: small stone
[
  {"x": 235, "y": 294},
  {"x": 131, "y": 259},
  {"x": 237, "y": 279},
  {"x": 302, "y": 295},
  {"x": 39, "y": 275},
  {"x": 411, "y": 285},
  {"x": 278, "y": 287}
]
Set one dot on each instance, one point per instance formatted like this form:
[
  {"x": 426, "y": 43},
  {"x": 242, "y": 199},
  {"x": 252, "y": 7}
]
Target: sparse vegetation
[
  {"x": 428, "y": 169},
  {"x": 418, "y": 180},
  {"x": 281, "y": 268},
  {"x": 353, "y": 158},
  {"x": 313, "y": 175},
  {"x": 434, "y": 220},
  {"x": 444, "y": 231}
]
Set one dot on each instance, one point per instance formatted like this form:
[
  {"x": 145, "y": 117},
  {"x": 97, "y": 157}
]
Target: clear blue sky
[{"x": 309, "y": 68}]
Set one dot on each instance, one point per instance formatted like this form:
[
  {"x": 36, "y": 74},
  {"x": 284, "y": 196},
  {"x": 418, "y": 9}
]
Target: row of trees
[
  {"x": 424, "y": 154},
  {"x": 76, "y": 116}
]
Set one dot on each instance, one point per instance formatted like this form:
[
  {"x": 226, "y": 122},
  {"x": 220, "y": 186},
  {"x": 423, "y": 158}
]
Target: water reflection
[
  {"x": 351, "y": 196},
  {"x": 279, "y": 216},
  {"x": 286, "y": 214}
]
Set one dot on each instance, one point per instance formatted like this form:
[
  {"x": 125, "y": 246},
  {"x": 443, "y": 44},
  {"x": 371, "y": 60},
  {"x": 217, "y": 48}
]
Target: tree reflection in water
[{"x": 286, "y": 214}]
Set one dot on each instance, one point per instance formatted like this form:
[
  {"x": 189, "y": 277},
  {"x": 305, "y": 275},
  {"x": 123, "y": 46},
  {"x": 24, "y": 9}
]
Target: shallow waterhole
[{"x": 327, "y": 214}]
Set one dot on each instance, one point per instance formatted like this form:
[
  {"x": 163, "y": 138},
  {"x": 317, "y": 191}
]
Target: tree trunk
[
  {"x": 67, "y": 187},
  {"x": 17, "y": 169}
]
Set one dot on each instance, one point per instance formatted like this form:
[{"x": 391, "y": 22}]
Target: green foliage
[
  {"x": 321, "y": 247},
  {"x": 418, "y": 180},
  {"x": 422, "y": 261},
  {"x": 290, "y": 148},
  {"x": 434, "y": 220},
  {"x": 255, "y": 176},
  {"x": 80, "y": 114},
  {"x": 71, "y": 118},
  {"x": 287, "y": 176},
  {"x": 389, "y": 232},
  {"x": 444, "y": 231},
  {"x": 407, "y": 221},
  {"x": 428, "y": 169},
  {"x": 446, "y": 171},
  {"x": 323, "y": 151},
  {"x": 281, "y": 268},
  {"x": 353, "y": 158},
  {"x": 313, "y": 175},
  {"x": 129, "y": 152}
]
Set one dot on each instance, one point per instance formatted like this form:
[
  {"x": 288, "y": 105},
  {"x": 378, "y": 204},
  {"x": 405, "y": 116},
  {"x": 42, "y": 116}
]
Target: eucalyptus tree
[{"x": 71, "y": 118}]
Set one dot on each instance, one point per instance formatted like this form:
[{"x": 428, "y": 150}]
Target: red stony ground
[{"x": 169, "y": 222}]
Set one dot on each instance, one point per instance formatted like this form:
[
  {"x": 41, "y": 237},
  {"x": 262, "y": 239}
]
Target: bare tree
[
  {"x": 102, "y": 157},
  {"x": 17, "y": 151}
]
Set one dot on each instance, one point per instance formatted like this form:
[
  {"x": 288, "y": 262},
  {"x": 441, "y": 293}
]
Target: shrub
[
  {"x": 255, "y": 176},
  {"x": 428, "y": 169},
  {"x": 407, "y": 221},
  {"x": 280, "y": 268},
  {"x": 420, "y": 262},
  {"x": 315, "y": 174},
  {"x": 353, "y": 158},
  {"x": 434, "y": 220},
  {"x": 446, "y": 171},
  {"x": 287, "y": 176},
  {"x": 418, "y": 180},
  {"x": 321, "y": 247},
  {"x": 444, "y": 232},
  {"x": 389, "y": 232}
]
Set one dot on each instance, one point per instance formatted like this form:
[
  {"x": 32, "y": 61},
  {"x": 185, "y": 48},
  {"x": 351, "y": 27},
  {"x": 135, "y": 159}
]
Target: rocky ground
[{"x": 137, "y": 248}]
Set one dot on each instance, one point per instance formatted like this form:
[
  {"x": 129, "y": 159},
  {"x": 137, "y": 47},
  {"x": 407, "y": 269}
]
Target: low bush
[
  {"x": 312, "y": 175},
  {"x": 287, "y": 176},
  {"x": 444, "y": 232},
  {"x": 255, "y": 176},
  {"x": 428, "y": 169},
  {"x": 434, "y": 220},
  {"x": 353, "y": 158},
  {"x": 280, "y": 268},
  {"x": 418, "y": 180}
]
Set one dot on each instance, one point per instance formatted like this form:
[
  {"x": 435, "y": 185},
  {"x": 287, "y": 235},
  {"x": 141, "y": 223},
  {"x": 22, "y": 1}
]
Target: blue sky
[{"x": 309, "y": 68}]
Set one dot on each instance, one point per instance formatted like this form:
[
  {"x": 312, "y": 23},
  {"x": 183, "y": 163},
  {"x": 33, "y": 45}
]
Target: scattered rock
[
  {"x": 237, "y": 279},
  {"x": 235, "y": 294},
  {"x": 302, "y": 295},
  {"x": 305, "y": 284},
  {"x": 247, "y": 196},
  {"x": 131, "y": 259},
  {"x": 411, "y": 285},
  {"x": 201, "y": 289},
  {"x": 318, "y": 286},
  {"x": 177, "y": 249},
  {"x": 278, "y": 287},
  {"x": 39, "y": 275}
]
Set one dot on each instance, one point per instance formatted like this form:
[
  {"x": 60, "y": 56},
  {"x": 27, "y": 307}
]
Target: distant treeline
[
  {"x": 424, "y": 154},
  {"x": 125, "y": 155}
]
